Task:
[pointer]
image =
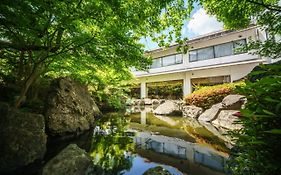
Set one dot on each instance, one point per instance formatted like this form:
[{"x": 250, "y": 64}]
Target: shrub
[
  {"x": 257, "y": 148},
  {"x": 207, "y": 96}
]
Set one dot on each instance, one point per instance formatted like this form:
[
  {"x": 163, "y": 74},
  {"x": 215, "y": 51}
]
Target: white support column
[
  {"x": 186, "y": 86},
  {"x": 143, "y": 90},
  {"x": 143, "y": 117}
]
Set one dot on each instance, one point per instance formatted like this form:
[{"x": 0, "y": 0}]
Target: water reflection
[
  {"x": 111, "y": 148},
  {"x": 181, "y": 149},
  {"x": 119, "y": 149}
]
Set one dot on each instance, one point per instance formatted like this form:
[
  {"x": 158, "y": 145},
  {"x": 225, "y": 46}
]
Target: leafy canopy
[{"x": 81, "y": 35}]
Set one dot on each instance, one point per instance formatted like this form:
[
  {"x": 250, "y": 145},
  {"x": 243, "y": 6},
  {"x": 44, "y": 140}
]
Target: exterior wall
[{"x": 237, "y": 66}]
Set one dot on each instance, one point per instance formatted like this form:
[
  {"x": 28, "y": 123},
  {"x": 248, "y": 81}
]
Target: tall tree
[{"x": 36, "y": 36}]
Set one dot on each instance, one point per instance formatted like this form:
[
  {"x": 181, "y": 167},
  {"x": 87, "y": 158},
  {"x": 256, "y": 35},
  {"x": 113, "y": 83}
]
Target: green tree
[{"x": 38, "y": 36}]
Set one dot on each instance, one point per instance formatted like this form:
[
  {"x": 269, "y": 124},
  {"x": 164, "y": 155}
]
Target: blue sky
[{"x": 200, "y": 24}]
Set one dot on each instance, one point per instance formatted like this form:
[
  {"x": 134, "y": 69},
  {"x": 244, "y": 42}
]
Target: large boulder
[
  {"x": 22, "y": 138},
  {"x": 168, "y": 108},
  {"x": 70, "y": 108},
  {"x": 191, "y": 111},
  {"x": 233, "y": 102},
  {"x": 211, "y": 114},
  {"x": 70, "y": 161},
  {"x": 226, "y": 119}
]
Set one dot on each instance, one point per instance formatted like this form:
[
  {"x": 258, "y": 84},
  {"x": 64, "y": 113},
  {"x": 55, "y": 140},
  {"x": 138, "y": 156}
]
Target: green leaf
[
  {"x": 274, "y": 131},
  {"x": 268, "y": 112}
]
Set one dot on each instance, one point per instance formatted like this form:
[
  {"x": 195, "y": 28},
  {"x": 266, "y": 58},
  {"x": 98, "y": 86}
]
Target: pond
[{"x": 135, "y": 143}]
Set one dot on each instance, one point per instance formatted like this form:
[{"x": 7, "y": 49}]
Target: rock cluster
[
  {"x": 70, "y": 110},
  {"x": 222, "y": 114}
]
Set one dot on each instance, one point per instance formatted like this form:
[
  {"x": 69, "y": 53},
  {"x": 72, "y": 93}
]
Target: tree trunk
[{"x": 26, "y": 86}]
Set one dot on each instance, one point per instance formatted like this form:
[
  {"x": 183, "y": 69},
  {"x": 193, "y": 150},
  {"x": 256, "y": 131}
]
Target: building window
[
  {"x": 205, "y": 54},
  {"x": 167, "y": 61},
  {"x": 179, "y": 58},
  {"x": 223, "y": 50},
  {"x": 216, "y": 51},
  {"x": 238, "y": 45},
  {"x": 192, "y": 55},
  {"x": 156, "y": 63}
]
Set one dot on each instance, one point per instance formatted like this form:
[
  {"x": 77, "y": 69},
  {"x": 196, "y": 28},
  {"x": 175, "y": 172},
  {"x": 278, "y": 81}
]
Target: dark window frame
[
  {"x": 233, "y": 46},
  {"x": 175, "y": 62}
]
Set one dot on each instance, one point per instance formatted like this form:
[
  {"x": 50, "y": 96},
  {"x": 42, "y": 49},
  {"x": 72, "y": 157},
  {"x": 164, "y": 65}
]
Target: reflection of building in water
[{"x": 181, "y": 149}]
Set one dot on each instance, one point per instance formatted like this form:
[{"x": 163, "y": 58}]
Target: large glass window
[
  {"x": 224, "y": 50},
  {"x": 179, "y": 58},
  {"x": 238, "y": 45},
  {"x": 156, "y": 63},
  {"x": 206, "y": 53},
  {"x": 169, "y": 60},
  {"x": 216, "y": 51},
  {"x": 192, "y": 55}
]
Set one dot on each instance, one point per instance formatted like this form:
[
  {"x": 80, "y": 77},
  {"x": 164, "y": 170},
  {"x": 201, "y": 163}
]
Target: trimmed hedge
[{"x": 207, "y": 96}]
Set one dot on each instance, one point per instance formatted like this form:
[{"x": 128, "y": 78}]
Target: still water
[{"x": 135, "y": 143}]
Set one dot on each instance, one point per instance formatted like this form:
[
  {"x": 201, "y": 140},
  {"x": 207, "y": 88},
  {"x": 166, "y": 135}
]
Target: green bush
[
  {"x": 207, "y": 96},
  {"x": 257, "y": 148}
]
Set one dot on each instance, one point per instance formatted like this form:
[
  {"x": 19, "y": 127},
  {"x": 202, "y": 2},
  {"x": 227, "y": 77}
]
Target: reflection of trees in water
[{"x": 111, "y": 147}]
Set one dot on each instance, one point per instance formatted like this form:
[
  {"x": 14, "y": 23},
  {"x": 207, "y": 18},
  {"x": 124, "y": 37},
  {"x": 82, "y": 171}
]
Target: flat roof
[{"x": 207, "y": 36}]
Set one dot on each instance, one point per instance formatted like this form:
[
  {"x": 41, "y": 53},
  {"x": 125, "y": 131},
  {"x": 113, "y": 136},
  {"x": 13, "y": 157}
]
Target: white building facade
[{"x": 213, "y": 58}]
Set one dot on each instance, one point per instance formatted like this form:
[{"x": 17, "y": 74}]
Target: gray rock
[
  {"x": 168, "y": 108},
  {"x": 146, "y": 101},
  {"x": 157, "y": 171},
  {"x": 211, "y": 114},
  {"x": 136, "y": 102},
  {"x": 141, "y": 102},
  {"x": 155, "y": 102},
  {"x": 70, "y": 161},
  {"x": 226, "y": 119},
  {"x": 233, "y": 102},
  {"x": 192, "y": 122},
  {"x": 217, "y": 132},
  {"x": 191, "y": 111},
  {"x": 70, "y": 108},
  {"x": 23, "y": 138}
]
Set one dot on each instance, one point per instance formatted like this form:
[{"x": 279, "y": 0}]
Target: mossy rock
[
  {"x": 157, "y": 171},
  {"x": 23, "y": 138}
]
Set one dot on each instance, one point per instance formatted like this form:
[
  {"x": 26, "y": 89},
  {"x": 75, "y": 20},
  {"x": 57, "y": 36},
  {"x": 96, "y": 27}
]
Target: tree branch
[
  {"x": 7, "y": 44},
  {"x": 268, "y": 6}
]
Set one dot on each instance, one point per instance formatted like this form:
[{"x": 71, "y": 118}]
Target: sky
[{"x": 201, "y": 23}]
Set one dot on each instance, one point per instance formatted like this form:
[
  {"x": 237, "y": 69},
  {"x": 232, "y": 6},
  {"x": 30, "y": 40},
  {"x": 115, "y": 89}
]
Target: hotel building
[{"x": 211, "y": 59}]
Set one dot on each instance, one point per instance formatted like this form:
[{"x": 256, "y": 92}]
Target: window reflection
[
  {"x": 167, "y": 61},
  {"x": 221, "y": 50}
]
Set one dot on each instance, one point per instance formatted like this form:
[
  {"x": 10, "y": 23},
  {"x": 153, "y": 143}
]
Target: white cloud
[{"x": 201, "y": 23}]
